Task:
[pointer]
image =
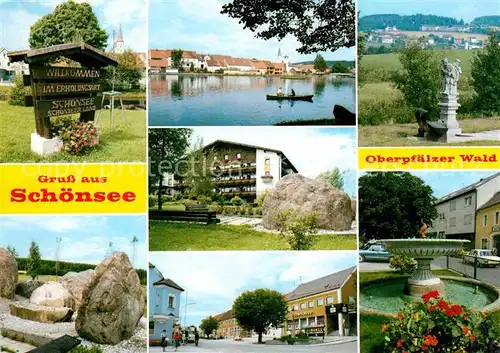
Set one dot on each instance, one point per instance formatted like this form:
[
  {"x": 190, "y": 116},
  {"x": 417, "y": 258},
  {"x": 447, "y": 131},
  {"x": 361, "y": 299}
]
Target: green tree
[
  {"x": 486, "y": 76},
  {"x": 166, "y": 148},
  {"x": 391, "y": 205},
  {"x": 260, "y": 309},
  {"x": 177, "y": 59},
  {"x": 333, "y": 178},
  {"x": 339, "y": 68},
  {"x": 420, "y": 80},
  {"x": 209, "y": 325},
  {"x": 34, "y": 261},
  {"x": 18, "y": 92},
  {"x": 12, "y": 250},
  {"x": 70, "y": 20},
  {"x": 318, "y": 25},
  {"x": 197, "y": 173},
  {"x": 320, "y": 63},
  {"x": 128, "y": 71}
]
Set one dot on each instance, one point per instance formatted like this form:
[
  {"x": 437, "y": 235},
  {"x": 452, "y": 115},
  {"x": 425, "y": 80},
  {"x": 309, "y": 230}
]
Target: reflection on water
[{"x": 241, "y": 100}]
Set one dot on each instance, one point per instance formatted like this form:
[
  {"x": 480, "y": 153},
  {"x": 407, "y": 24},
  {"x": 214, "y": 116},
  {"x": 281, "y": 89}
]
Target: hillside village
[{"x": 160, "y": 61}]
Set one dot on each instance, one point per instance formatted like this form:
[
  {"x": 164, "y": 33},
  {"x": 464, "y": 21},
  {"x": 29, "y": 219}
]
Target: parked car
[
  {"x": 484, "y": 258},
  {"x": 375, "y": 252}
]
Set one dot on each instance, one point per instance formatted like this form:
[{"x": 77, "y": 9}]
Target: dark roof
[
  {"x": 285, "y": 158},
  {"x": 83, "y": 53},
  {"x": 495, "y": 200},
  {"x": 466, "y": 189},
  {"x": 324, "y": 284},
  {"x": 168, "y": 282}
]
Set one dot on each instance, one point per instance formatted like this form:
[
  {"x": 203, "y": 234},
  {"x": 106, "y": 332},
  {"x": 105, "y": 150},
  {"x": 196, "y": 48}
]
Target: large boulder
[
  {"x": 33, "y": 312},
  {"x": 8, "y": 274},
  {"x": 112, "y": 304},
  {"x": 76, "y": 283},
  {"x": 52, "y": 294},
  {"x": 354, "y": 205},
  {"x": 26, "y": 288},
  {"x": 308, "y": 195}
]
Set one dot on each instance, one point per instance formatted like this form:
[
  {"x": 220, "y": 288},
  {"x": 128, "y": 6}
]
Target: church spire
[{"x": 120, "y": 34}]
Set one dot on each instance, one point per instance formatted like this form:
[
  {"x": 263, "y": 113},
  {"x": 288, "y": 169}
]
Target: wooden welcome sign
[{"x": 60, "y": 91}]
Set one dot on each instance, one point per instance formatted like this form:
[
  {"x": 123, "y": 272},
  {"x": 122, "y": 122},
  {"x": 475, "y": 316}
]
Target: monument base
[
  {"x": 43, "y": 146},
  {"x": 418, "y": 290}
]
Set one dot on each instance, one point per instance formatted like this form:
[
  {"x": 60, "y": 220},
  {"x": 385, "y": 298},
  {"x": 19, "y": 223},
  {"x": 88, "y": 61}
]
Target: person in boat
[
  {"x": 280, "y": 92},
  {"x": 293, "y": 93}
]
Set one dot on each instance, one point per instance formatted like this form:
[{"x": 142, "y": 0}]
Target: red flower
[
  {"x": 384, "y": 327},
  {"x": 430, "y": 341},
  {"x": 433, "y": 307},
  {"x": 472, "y": 337},
  {"x": 400, "y": 316},
  {"x": 442, "y": 304},
  {"x": 455, "y": 310},
  {"x": 433, "y": 294},
  {"x": 465, "y": 330},
  {"x": 400, "y": 343},
  {"x": 424, "y": 347}
]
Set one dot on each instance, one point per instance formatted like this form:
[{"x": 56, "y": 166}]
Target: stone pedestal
[
  {"x": 448, "y": 117},
  {"x": 423, "y": 280},
  {"x": 43, "y": 146}
]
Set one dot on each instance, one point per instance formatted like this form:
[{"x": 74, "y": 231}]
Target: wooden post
[{"x": 43, "y": 125}]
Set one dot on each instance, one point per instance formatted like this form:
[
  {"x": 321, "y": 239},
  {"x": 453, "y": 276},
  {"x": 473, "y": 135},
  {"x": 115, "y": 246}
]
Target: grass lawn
[
  {"x": 120, "y": 144},
  {"x": 397, "y": 134},
  {"x": 165, "y": 236}
]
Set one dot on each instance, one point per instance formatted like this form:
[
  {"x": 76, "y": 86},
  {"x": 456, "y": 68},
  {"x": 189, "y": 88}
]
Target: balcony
[
  {"x": 234, "y": 171},
  {"x": 235, "y": 182}
]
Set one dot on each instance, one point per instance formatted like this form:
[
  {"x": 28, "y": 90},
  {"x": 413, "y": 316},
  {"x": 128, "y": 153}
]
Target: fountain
[{"x": 424, "y": 251}]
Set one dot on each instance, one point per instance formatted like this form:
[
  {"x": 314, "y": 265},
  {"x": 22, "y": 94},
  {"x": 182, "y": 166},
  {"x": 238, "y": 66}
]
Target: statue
[
  {"x": 422, "y": 229},
  {"x": 450, "y": 74}
]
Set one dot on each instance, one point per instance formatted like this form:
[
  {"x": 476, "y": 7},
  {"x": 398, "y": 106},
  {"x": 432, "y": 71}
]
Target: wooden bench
[
  {"x": 62, "y": 344},
  {"x": 196, "y": 208},
  {"x": 208, "y": 217}
]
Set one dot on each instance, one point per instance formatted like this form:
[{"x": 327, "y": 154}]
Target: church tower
[
  {"x": 118, "y": 46},
  {"x": 280, "y": 58}
]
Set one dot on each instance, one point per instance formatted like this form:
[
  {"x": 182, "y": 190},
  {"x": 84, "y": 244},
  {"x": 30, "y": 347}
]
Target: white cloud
[{"x": 311, "y": 151}]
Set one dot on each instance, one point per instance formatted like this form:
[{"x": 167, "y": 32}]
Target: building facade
[
  {"x": 240, "y": 170},
  {"x": 164, "y": 305},
  {"x": 488, "y": 225},
  {"x": 326, "y": 305},
  {"x": 457, "y": 210}
]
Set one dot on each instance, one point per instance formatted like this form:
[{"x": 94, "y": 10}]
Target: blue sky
[
  {"x": 214, "y": 279},
  {"x": 459, "y": 9},
  {"x": 444, "y": 183},
  {"x": 311, "y": 150},
  {"x": 198, "y": 25},
  {"x": 16, "y": 17},
  {"x": 84, "y": 238}
]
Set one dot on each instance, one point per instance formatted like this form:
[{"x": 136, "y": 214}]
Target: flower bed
[{"x": 77, "y": 137}]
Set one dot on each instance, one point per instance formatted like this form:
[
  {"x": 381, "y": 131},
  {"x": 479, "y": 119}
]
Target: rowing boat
[{"x": 297, "y": 97}]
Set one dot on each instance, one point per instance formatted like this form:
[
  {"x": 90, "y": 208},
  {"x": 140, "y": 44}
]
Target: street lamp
[{"x": 185, "y": 308}]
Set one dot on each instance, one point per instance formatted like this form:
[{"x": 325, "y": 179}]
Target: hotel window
[
  {"x": 319, "y": 302},
  {"x": 268, "y": 161},
  {"x": 238, "y": 155},
  {"x": 268, "y": 173},
  {"x": 320, "y": 321},
  {"x": 310, "y": 304},
  {"x": 485, "y": 220},
  {"x": 467, "y": 219},
  {"x": 468, "y": 201},
  {"x": 151, "y": 327},
  {"x": 453, "y": 205},
  {"x": 226, "y": 157},
  {"x": 453, "y": 222},
  {"x": 497, "y": 217},
  {"x": 329, "y": 300},
  {"x": 171, "y": 301},
  {"x": 302, "y": 305},
  {"x": 296, "y": 307},
  {"x": 484, "y": 243}
]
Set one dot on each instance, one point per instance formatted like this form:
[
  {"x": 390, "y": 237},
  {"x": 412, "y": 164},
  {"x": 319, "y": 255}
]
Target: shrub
[
  {"x": 373, "y": 112},
  {"x": 166, "y": 198},
  {"x": 485, "y": 74},
  {"x": 403, "y": 264},
  {"x": 298, "y": 229},
  {"x": 204, "y": 200},
  {"x": 177, "y": 196},
  {"x": 77, "y": 137},
  {"x": 289, "y": 339},
  {"x": 257, "y": 211},
  {"x": 435, "y": 325},
  {"x": 261, "y": 198},
  {"x": 18, "y": 92},
  {"x": 236, "y": 201},
  {"x": 153, "y": 201}
]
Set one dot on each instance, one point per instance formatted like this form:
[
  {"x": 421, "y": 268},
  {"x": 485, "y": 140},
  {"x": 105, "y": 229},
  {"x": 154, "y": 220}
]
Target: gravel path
[{"x": 136, "y": 344}]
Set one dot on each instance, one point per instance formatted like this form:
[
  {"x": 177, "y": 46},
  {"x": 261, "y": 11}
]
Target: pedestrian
[
  {"x": 177, "y": 340},
  {"x": 164, "y": 339},
  {"x": 196, "y": 337}
]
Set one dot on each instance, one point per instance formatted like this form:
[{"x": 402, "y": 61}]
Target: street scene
[{"x": 290, "y": 301}]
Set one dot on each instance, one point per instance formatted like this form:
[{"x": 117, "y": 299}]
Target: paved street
[
  {"x": 489, "y": 275},
  {"x": 231, "y": 346}
]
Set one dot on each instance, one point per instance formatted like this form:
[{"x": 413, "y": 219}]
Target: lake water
[{"x": 241, "y": 100}]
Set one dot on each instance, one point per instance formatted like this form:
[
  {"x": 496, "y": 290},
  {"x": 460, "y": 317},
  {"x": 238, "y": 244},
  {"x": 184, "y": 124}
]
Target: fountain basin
[{"x": 424, "y": 251}]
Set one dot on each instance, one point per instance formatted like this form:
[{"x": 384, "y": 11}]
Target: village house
[
  {"x": 164, "y": 305},
  {"x": 488, "y": 224},
  {"x": 457, "y": 210},
  {"x": 5, "y": 66}
]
